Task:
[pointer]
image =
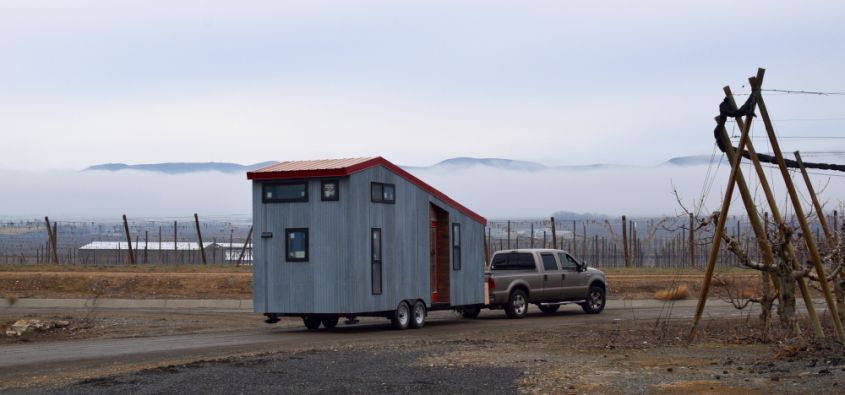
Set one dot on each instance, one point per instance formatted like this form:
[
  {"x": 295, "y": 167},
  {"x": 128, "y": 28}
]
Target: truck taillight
[{"x": 491, "y": 283}]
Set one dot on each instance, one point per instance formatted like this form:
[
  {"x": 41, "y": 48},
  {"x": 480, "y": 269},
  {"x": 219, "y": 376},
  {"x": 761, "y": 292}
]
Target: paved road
[{"x": 22, "y": 361}]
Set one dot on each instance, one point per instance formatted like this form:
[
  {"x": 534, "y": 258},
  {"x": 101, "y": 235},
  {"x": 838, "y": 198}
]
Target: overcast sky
[{"x": 85, "y": 82}]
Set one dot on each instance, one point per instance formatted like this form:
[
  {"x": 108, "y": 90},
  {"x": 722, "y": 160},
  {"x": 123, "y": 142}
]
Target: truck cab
[{"x": 546, "y": 277}]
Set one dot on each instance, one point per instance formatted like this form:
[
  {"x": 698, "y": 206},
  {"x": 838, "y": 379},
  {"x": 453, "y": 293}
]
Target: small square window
[
  {"x": 296, "y": 245},
  {"x": 330, "y": 190},
  {"x": 382, "y": 193}
]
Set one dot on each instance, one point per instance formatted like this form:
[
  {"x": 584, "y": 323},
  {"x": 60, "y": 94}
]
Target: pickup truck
[{"x": 545, "y": 277}]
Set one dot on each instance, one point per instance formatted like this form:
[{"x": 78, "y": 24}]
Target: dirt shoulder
[
  {"x": 607, "y": 357},
  {"x": 229, "y": 282}
]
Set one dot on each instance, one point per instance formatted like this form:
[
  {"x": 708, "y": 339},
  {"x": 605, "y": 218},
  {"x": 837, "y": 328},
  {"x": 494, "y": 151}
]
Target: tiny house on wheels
[{"x": 360, "y": 237}]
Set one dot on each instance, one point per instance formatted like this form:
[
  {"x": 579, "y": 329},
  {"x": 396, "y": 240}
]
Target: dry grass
[
  {"x": 668, "y": 271},
  {"x": 676, "y": 293},
  {"x": 11, "y": 299},
  {"x": 140, "y": 268}
]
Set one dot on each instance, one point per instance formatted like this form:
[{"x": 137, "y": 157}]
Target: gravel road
[
  {"x": 304, "y": 373},
  {"x": 490, "y": 354}
]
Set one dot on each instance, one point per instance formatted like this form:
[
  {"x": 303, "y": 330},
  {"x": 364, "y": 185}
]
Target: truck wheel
[
  {"x": 401, "y": 318},
  {"x": 312, "y": 323},
  {"x": 517, "y": 304},
  {"x": 595, "y": 300},
  {"x": 470, "y": 312},
  {"x": 418, "y": 315},
  {"x": 329, "y": 323},
  {"x": 549, "y": 308}
]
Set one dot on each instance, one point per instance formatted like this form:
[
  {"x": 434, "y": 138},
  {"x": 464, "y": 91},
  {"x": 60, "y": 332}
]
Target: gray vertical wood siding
[{"x": 337, "y": 276}]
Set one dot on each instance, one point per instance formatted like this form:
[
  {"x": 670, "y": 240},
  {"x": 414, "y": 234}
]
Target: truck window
[
  {"x": 513, "y": 261},
  {"x": 567, "y": 262},
  {"x": 549, "y": 262}
]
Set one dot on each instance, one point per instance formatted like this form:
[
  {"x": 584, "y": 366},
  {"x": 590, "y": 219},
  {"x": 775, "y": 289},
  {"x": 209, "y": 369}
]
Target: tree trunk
[
  {"x": 766, "y": 305},
  {"x": 786, "y": 300},
  {"x": 839, "y": 293}
]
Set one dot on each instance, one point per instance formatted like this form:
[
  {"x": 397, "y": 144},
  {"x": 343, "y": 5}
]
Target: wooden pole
[
  {"x": 828, "y": 236},
  {"x": 146, "y": 244},
  {"x": 489, "y": 242},
  {"x": 128, "y": 239},
  {"x": 574, "y": 238},
  {"x": 691, "y": 241},
  {"x": 723, "y": 216},
  {"x": 554, "y": 235},
  {"x": 802, "y": 220},
  {"x": 243, "y": 249},
  {"x": 486, "y": 252},
  {"x": 509, "y": 234},
  {"x": 199, "y": 237},
  {"x": 54, "y": 257},
  {"x": 776, "y": 215},
  {"x": 532, "y": 235},
  {"x": 625, "y": 241},
  {"x": 175, "y": 242}
]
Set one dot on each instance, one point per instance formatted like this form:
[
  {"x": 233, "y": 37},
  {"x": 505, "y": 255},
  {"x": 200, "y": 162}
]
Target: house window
[
  {"x": 330, "y": 190},
  {"x": 456, "y": 246},
  {"x": 296, "y": 244},
  {"x": 375, "y": 253},
  {"x": 382, "y": 192},
  {"x": 283, "y": 192}
]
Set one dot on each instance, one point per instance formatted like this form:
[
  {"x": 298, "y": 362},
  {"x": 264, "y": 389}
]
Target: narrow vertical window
[
  {"x": 456, "y": 246},
  {"x": 376, "y": 192},
  {"x": 375, "y": 248},
  {"x": 296, "y": 244}
]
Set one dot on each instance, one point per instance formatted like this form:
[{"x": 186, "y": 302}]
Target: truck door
[
  {"x": 552, "y": 278},
  {"x": 574, "y": 282}
]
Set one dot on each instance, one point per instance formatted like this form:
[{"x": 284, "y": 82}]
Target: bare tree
[{"x": 782, "y": 272}]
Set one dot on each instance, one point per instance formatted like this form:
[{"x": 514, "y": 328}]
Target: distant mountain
[
  {"x": 509, "y": 164},
  {"x": 452, "y": 164},
  {"x": 181, "y": 167},
  {"x": 694, "y": 160},
  {"x": 504, "y": 164}
]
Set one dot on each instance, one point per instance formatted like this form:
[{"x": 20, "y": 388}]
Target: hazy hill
[
  {"x": 459, "y": 163},
  {"x": 181, "y": 167}
]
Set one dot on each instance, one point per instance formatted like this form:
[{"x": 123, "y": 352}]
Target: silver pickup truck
[{"x": 545, "y": 277}]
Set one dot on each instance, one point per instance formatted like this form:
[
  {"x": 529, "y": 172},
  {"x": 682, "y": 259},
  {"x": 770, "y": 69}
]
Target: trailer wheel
[
  {"x": 329, "y": 323},
  {"x": 470, "y": 312},
  {"x": 401, "y": 318},
  {"x": 418, "y": 315},
  {"x": 312, "y": 323},
  {"x": 517, "y": 305}
]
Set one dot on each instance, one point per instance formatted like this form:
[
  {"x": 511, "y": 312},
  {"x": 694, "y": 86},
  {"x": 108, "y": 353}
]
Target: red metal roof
[{"x": 345, "y": 167}]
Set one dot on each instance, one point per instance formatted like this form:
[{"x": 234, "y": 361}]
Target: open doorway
[{"x": 439, "y": 254}]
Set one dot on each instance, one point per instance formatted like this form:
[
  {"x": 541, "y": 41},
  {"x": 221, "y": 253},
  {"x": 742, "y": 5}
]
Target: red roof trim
[{"x": 345, "y": 171}]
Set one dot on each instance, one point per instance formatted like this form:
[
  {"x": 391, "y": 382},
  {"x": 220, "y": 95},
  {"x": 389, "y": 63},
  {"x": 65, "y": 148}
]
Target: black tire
[
  {"x": 329, "y": 323},
  {"x": 312, "y": 323},
  {"x": 401, "y": 318},
  {"x": 549, "y": 308},
  {"x": 470, "y": 312},
  {"x": 517, "y": 305},
  {"x": 418, "y": 315},
  {"x": 595, "y": 300}
]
